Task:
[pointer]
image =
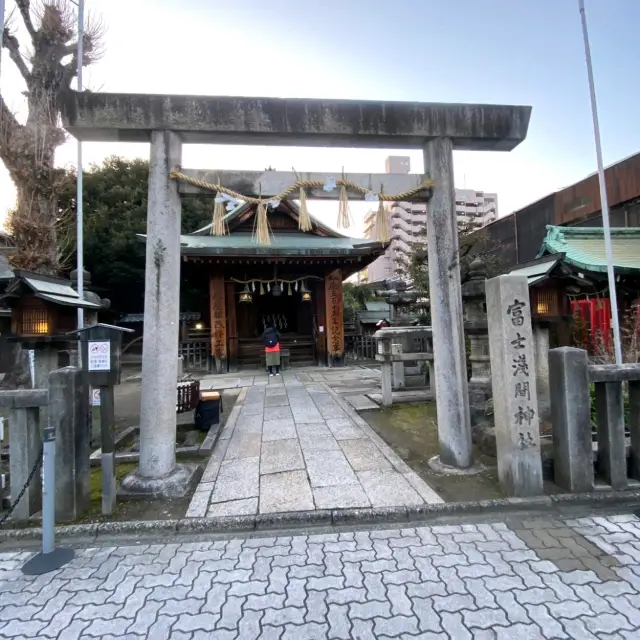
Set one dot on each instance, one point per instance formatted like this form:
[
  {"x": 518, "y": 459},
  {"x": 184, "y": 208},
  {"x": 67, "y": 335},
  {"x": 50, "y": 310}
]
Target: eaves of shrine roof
[{"x": 284, "y": 244}]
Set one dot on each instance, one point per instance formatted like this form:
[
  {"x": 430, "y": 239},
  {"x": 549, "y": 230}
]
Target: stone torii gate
[{"x": 168, "y": 121}]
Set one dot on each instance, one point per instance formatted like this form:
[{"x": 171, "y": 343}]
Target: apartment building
[{"x": 407, "y": 223}]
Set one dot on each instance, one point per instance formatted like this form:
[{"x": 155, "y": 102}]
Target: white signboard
[
  {"x": 32, "y": 367},
  {"x": 95, "y": 397},
  {"x": 99, "y": 356}
]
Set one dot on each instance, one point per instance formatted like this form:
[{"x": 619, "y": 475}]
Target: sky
[{"x": 519, "y": 52}]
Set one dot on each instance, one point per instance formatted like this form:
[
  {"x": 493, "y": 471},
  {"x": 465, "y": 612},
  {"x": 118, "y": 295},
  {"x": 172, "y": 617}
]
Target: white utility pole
[
  {"x": 615, "y": 321},
  {"x": 79, "y": 211},
  {"x": 1, "y": 29}
]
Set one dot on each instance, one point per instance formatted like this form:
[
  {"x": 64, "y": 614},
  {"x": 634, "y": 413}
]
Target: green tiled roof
[
  {"x": 584, "y": 247},
  {"x": 297, "y": 243},
  {"x": 377, "y": 305}
]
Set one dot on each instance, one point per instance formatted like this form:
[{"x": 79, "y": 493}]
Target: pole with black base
[{"x": 51, "y": 557}]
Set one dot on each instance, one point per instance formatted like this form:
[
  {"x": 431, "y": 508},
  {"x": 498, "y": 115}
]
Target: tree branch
[
  {"x": 70, "y": 49},
  {"x": 69, "y": 71},
  {"x": 24, "y": 7},
  {"x": 10, "y": 128},
  {"x": 10, "y": 42},
  {"x": 7, "y": 119}
]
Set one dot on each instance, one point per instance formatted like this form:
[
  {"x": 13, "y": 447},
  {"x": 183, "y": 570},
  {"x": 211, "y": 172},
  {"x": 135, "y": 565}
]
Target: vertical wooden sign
[
  {"x": 217, "y": 310},
  {"x": 335, "y": 323},
  {"x": 232, "y": 326}
]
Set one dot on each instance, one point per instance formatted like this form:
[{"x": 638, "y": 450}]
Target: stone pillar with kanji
[{"x": 513, "y": 378}]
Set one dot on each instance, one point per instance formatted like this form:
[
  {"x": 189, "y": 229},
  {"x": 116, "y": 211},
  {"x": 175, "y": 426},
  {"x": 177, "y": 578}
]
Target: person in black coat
[{"x": 271, "y": 341}]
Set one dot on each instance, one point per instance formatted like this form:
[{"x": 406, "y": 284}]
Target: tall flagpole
[
  {"x": 79, "y": 211},
  {"x": 615, "y": 321}
]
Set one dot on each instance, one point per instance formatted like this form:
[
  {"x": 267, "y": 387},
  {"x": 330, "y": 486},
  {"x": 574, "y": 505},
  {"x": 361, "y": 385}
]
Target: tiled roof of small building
[{"x": 584, "y": 247}]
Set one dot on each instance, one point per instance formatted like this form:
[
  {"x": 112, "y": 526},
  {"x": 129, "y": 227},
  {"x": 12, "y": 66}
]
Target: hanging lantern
[
  {"x": 305, "y": 294},
  {"x": 276, "y": 290},
  {"x": 245, "y": 296}
]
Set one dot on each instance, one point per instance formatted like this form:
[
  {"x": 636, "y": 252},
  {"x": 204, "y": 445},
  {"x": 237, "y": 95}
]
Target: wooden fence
[
  {"x": 363, "y": 348},
  {"x": 196, "y": 354}
]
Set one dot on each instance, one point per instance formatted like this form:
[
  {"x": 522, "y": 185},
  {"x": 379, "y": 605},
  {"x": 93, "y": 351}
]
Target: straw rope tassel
[
  {"x": 382, "y": 229},
  {"x": 262, "y": 234},
  {"x": 344, "y": 215},
  {"x": 304, "y": 222},
  {"x": 219, "y": 224}
]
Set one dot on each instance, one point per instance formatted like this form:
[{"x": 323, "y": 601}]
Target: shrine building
[{"x": 294, "y": 283}]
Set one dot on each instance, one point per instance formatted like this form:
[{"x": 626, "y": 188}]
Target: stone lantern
[
  {"x": 395, "y": 294},
  {"x": 43, "y": 314},
  {"x": 475, "y": 325}
]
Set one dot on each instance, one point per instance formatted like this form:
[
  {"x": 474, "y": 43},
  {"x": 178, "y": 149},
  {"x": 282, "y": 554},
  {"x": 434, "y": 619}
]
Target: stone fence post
[
  {"x": 570, "y": 376},
  {"x": 541, "y": 346},
  {"x": 514, "y": 386},
  {"x": 570, "y": 416},
  {"x": 66, "y": 402},
  {"x": 612, "y": 450},
  {"x": 68, "y": 411},
  {"x": 25, "y": 444},
  {"x": 475, "y": 311}
]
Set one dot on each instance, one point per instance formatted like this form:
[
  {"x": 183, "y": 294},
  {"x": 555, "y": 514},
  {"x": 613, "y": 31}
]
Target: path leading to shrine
[{"x": 292, "y": 443}]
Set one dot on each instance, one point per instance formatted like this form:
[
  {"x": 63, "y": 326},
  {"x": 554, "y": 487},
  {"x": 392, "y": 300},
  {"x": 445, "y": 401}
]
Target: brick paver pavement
[{"x": 516, "y": 580}]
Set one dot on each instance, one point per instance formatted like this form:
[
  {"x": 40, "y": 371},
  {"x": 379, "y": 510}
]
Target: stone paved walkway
[
  {"x": 462, "y": 582},
  {"x": 293, "y": 444}
]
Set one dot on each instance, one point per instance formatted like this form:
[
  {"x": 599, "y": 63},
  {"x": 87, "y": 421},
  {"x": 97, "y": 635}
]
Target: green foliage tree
[
  {"x": 473, "y": 244},
  {"x": 354, "y": 297},
  {"x": 115, "y": 211}
]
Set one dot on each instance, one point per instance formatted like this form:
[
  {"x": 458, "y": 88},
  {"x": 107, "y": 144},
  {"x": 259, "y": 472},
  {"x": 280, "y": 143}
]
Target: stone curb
[{"x": 384, "y": 515}]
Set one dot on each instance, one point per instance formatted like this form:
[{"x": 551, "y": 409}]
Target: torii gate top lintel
[{"x": 123, "y": 117}]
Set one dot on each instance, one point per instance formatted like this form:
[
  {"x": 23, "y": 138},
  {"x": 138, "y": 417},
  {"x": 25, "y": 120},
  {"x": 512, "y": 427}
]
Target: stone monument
[
  {"x": 513, "y": 377},
  {"x": 475, "y": 311}
]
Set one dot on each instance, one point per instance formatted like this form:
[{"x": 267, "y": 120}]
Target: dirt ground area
[{"x": 412, "y": 431}]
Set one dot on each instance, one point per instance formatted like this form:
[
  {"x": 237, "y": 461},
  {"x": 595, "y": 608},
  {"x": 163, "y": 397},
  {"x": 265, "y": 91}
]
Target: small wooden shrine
[{"x": 295, "y": 283}]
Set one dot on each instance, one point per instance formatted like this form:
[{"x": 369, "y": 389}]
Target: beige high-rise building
[{"x": 408, "y": 223}]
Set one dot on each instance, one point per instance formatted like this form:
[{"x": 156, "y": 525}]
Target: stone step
[
  {"x": 399, "y": 397},
  {"x": 361, "y": 402}
]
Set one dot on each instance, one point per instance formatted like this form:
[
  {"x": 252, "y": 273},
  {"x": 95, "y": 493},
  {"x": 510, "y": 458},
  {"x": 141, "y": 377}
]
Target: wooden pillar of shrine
[
  {"x": 232, "y": 327},
  {"x": 335, "y": 319},
  {"x": 321, "y": 323},
  {"x": 218, "y": 313}
]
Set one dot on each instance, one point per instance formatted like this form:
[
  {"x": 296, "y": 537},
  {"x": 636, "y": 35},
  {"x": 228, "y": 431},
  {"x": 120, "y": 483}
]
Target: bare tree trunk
[
  {"x": 27, "y": 150},
  {"x": 33, "y": 228}
]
